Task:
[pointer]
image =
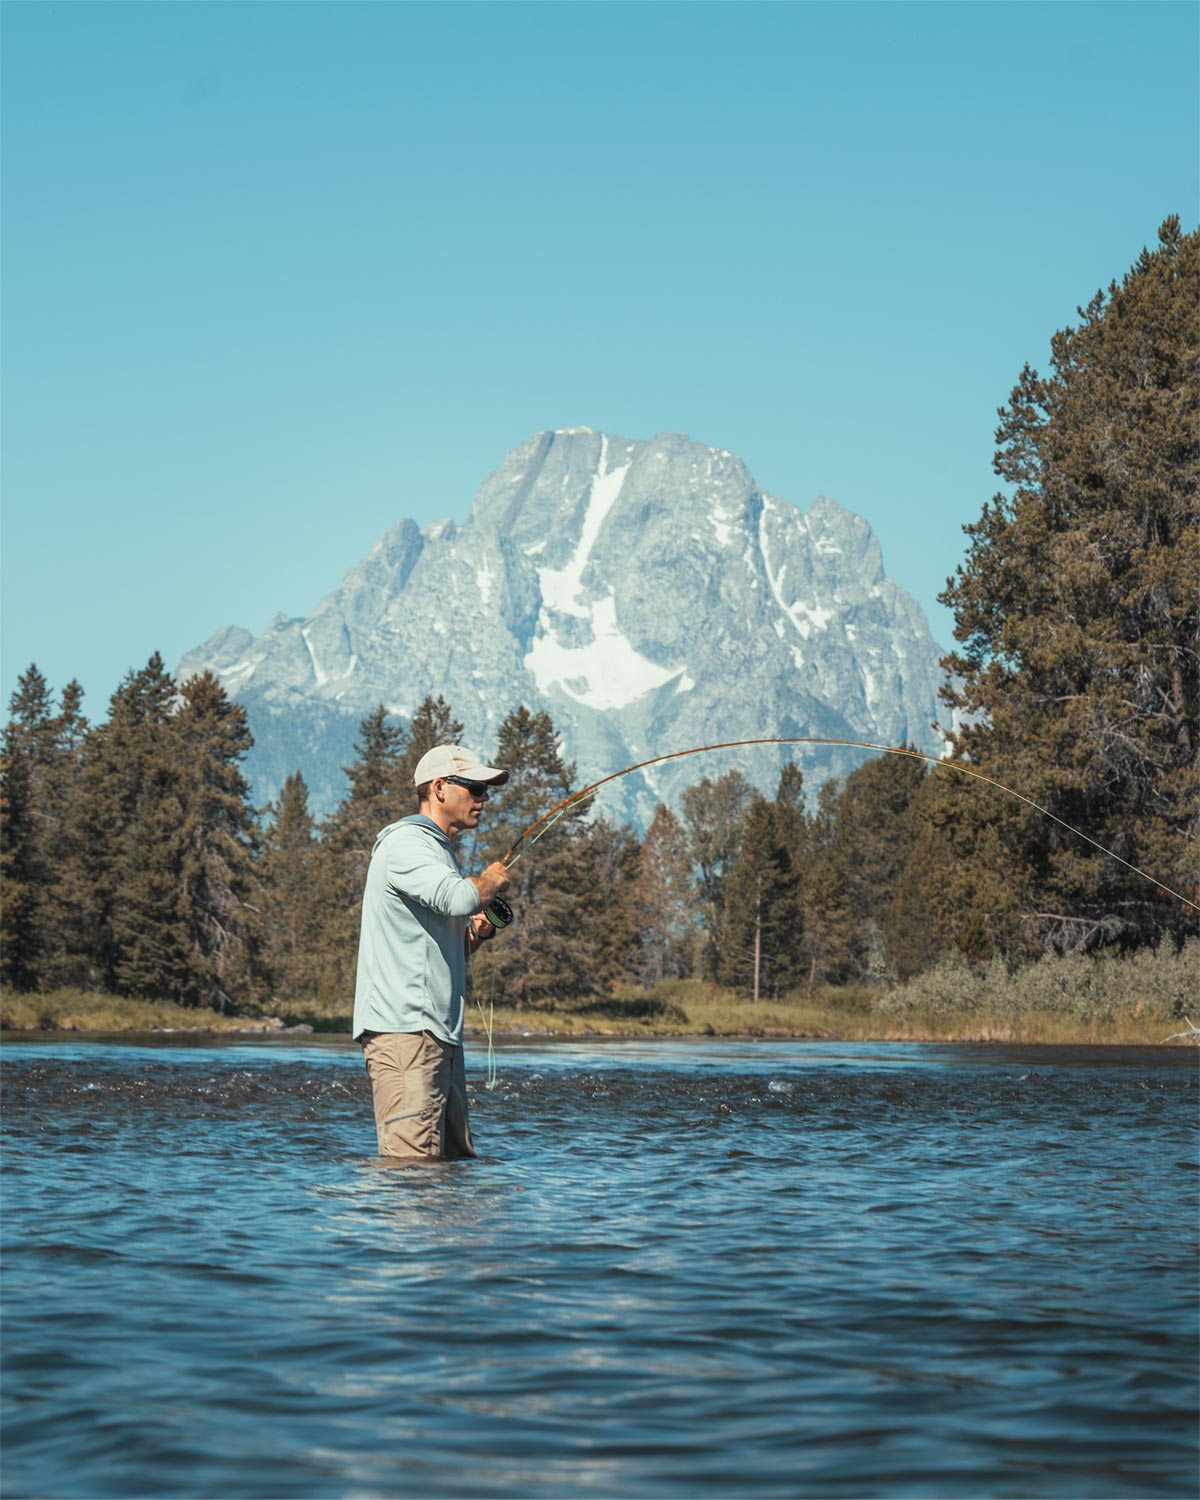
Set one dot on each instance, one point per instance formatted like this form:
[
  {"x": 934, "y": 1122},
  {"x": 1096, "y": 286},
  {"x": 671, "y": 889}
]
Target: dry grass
[
  {"x": 1141, "y": 999},
  {"x": 1134, "y": 1000},
  {"x": 817, "y": 1023},
  {"x": 80, "y": 1010}
]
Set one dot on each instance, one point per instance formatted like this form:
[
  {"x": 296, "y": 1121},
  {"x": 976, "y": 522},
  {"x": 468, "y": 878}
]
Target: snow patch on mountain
[
  {"x": 606, "y": 673},
  {"x": 561, "y": 587},
  {"x": 647, "y": 594},
  {"x": 805, "y": 617},
  {"x": 722, "y": 525}
]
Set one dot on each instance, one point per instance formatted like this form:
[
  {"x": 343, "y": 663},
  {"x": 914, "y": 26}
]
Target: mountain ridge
[{"x": 640, "y": 591}]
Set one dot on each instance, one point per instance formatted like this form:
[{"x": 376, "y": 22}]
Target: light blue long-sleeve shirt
[{"x": 412, "y": 964}]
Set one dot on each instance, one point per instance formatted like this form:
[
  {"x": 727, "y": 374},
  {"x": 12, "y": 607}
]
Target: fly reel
[{"x": 498, "y": 912}]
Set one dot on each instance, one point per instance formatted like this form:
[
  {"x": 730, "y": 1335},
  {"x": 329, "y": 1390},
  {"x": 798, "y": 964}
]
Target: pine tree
[
  {"x": 149, "y": 918},
  {"x": 25, "y": 867},
  {"x": 373, "y": 800},
  {"x": 288, "y": 898},
  {"x": 712, "y": 819},
  {"x": 65, "y": 958},
  {"x": 603, "y": 949},
  {"x": 763, "y": 934},
  {"x": 791, "y": 832},
  {"x": 658, "y": 902},
  {"x": 541, "y": 955},
  {"x": 130, "y": 856},
  {"x": 855, "y": 878},
  {"x": 432, "y": 724},
  {"x": 208, "y": 737},
  {"x": 19, "y": 935},
  {"x": 1076, "y": 614},
  {"x": 828, "y": 919},
  {"x": 954, "y": 892}
]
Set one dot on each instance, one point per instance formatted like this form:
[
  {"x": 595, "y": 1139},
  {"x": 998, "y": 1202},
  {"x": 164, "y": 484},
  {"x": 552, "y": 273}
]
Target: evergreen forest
[{"x": 135, "y": 864}]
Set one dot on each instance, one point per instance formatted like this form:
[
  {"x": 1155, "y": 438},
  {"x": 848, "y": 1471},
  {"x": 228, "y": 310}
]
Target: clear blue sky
[{"x": 276, "y": 275}]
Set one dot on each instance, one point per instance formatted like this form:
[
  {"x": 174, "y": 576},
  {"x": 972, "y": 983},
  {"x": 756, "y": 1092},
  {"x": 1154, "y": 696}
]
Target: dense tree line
[{"x": 132, "y": 861}]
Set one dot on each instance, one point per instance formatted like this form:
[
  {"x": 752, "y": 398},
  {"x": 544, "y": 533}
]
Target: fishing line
[
  {"x": 572, "y": 804},
  {"x": 500, "y": 915},
  {"x": 488, "y": 1020},
  {"x": 545, "y": 822}
]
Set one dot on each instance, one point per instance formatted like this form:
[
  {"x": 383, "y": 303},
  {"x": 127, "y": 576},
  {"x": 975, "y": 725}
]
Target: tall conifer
[
  {"x": 24, "y": 862},
  {"x": 131, "y": 860},
  {"x": 347, "y": 839},
  {"x": 432, "y": 724},
  {"x": 763, "y": 933},
  {"x": 854, "y": 878},
  {"x": 289, "y": 900},
  {"x": 1076, "y": 617},
  {"x": 603, "y": 944},
  {"x": 208, "y": 737},
  {"x": 540, "y": 955},
  {"x": 658, "y": 902},
  {"x": 712, "y": 820}
]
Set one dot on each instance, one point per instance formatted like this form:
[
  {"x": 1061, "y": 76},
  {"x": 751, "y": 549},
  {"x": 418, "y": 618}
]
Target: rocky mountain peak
[{"x": 646, "y": 593}]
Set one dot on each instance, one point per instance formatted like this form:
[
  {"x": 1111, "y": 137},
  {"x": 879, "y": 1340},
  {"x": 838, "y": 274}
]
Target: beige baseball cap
[{"x": 456, "y": 760}]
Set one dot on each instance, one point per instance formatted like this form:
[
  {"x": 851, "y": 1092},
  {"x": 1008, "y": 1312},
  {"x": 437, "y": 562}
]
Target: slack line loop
[{"x": 548, "y": 819}]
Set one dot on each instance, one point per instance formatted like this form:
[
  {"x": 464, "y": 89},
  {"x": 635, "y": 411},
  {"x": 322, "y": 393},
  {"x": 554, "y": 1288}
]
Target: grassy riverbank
[
  {"x": 1144, "y": 998},
  {"x": 82, "y": 1010}
]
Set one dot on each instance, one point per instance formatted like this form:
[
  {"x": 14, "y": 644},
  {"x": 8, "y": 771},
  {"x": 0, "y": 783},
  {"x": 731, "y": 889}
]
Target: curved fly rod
[{"x": 547, "y": 820}]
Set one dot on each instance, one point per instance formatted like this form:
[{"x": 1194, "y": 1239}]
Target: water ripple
[{"x": 753, "y": 1269}]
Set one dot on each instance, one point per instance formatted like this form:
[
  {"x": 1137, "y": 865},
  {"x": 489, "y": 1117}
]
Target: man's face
[{"x": 463, "y": 801}]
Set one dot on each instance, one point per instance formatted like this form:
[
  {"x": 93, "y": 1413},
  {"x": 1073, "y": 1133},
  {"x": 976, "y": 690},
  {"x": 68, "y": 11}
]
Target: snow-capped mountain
[{"x": 648, "y": 595}]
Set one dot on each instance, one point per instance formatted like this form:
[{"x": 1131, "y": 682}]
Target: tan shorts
[{"x": 420, "y": 1090}]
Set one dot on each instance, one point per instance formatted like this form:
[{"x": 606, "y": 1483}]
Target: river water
[{"x": 711, "y": 1269}]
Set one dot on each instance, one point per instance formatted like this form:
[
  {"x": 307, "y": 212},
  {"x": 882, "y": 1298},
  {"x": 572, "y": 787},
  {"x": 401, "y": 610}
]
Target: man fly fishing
[{"x": 420, "y": 918}]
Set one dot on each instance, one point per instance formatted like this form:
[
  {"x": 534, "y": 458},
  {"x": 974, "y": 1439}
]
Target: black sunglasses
[{"x": 477, "y": 789}]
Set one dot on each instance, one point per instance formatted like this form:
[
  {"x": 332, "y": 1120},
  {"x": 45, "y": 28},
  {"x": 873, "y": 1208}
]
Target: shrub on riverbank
[{"x": 1157, "y": 985}]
